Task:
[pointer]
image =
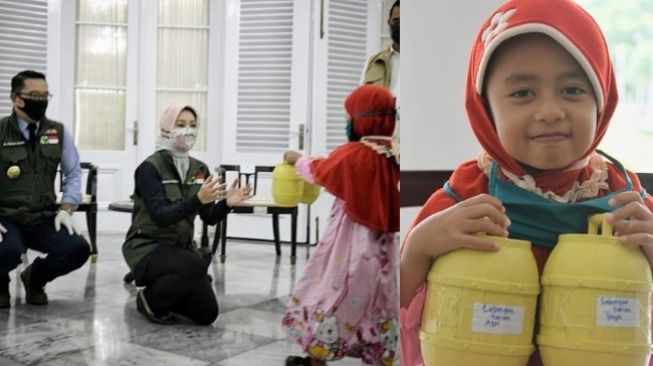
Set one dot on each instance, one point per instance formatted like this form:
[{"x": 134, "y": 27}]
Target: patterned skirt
[{"x": 346, "y": 303}]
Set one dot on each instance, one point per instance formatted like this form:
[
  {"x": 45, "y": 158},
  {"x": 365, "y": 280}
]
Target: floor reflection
[{"x": 92, "y": 319}]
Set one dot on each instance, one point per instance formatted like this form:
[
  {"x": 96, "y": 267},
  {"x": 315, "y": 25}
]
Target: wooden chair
[{"x": 258, "y": 203}]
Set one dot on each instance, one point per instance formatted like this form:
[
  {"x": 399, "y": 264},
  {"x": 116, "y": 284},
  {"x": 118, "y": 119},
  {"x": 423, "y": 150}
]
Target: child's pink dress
[{"x": 346, "y": 302}]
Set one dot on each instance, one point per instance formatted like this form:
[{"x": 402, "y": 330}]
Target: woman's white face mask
[{"x": 183, "y": 138}]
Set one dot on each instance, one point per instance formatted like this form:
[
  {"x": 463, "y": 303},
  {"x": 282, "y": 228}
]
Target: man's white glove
[
  {"x": 65, "y": 219},
  {"x": 3, "y": 230}
]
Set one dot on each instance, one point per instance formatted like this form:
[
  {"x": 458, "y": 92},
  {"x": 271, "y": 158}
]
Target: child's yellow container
[
  {"x": 480, "y": 307},
  {"x": 310, "y": 193},
  {"x": 287, "y": 186},
  {"x": 595, "y": 306}
]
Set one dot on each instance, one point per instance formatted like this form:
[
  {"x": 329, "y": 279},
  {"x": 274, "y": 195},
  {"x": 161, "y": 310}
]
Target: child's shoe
[{"x": 298, "y": 361}]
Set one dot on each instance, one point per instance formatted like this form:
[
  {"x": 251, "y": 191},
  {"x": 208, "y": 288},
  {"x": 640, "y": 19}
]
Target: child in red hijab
[
  {"x": 540, "y": 95},
  {"x": 346, "y": 302}
]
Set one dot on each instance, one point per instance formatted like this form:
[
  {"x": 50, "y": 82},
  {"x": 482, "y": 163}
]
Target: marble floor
[{"x": 92, "y": 319}]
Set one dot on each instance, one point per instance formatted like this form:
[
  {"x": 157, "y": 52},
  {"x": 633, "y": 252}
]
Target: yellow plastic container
[
  {"x": 310, "y": 194},
  {"x": 595, "y": 305},
  {"x": 287, "y": 186},
  {"x": 480, "y": 307}
]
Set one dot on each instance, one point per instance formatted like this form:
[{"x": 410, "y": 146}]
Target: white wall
[{"x": 436, "y": 42}]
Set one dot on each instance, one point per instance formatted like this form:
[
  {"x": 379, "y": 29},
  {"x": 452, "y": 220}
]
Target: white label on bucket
[
  {"x": 617, "y": 312},
  {"x": 497, "y": 319}
]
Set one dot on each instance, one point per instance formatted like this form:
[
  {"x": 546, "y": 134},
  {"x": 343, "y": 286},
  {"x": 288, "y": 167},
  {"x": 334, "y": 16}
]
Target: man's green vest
[
  {"x": 144, "y": 234},
  {"x": 27, "y": 176},
  {"x": 379, "y": 69}
]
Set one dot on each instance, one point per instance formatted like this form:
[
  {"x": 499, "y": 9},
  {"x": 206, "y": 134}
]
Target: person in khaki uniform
[
  {"x": 171, "y": 189},
  {"x": 31, "y": 149},
  {"x": 382, "y": 68}
]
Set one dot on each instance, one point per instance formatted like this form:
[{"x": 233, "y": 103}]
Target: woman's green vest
[
  {"x": 27, "y": 175},
  {"x": 144, "y": 234}
]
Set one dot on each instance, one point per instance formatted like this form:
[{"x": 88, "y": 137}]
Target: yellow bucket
[
  {"x": 287, "y": 186},
  {"x": 595, "y": 305},
  {"x": 310, "y": 194},
  {"x": 480, "y": 307}
]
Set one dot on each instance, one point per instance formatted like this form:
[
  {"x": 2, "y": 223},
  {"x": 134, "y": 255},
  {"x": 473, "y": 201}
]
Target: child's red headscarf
[
  {"x": 570, "y": 26},
  {"x": 360, "y": 175}
]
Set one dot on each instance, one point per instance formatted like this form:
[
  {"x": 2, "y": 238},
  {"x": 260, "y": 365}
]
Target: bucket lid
[
  {"x": 597, "y": 283},
  {"x": 483, "y": 284},
  {"x": 514, "y": 350},
  {"x": 595, "y": 347},
  {"x": 595, "y": 261},
  {"x": 512, "y": 269}
]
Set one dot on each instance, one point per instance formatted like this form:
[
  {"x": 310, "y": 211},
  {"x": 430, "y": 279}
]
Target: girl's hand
[
  {"x": 291, "y": 156},
  {"x": 457, "y": 226},
  {"x": 448, "y": 230},
  {"x": 632, "y": 223}
]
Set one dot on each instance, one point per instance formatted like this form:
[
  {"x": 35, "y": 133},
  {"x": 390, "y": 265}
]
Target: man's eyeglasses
[{"x": 35, "y": 96}]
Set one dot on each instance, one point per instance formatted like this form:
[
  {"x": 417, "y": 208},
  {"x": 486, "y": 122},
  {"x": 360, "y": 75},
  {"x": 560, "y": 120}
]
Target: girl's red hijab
[
  {"x": 364, "y": 179},
  {"x": 570, "y": 26}
]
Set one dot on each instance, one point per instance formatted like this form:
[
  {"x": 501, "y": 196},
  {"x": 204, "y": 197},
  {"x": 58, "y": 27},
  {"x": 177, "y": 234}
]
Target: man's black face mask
[
  {"x": 35, "y": 108},
  {"x": 394, "y": 32}
]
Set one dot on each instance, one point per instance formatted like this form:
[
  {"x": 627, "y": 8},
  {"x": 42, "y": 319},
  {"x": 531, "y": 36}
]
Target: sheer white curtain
[
  {"x": 182, "y": 58},
  {"x": 100, "y": 76}
]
